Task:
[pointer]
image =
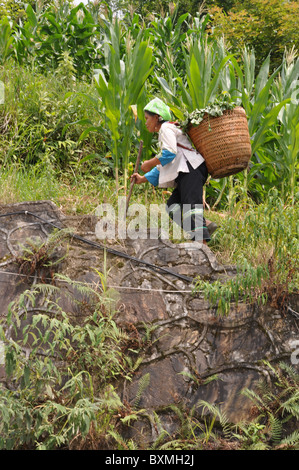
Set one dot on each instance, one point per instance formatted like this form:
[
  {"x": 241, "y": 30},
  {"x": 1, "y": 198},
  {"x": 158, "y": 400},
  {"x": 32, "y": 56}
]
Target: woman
[{"x": 177, "y": 165}]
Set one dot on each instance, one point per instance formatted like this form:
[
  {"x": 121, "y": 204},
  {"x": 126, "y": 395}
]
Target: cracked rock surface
[{"x": 187, "y": 339}]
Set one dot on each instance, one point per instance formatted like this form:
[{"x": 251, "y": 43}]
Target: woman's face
[{"x": 152, "y": 122}]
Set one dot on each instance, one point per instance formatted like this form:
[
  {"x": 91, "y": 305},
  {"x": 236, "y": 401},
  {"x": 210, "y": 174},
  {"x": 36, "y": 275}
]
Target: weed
[
  {"x": 275, "y": 411},
  {"x": 36, "y": 255},
  {"x": 263, "y": 241},
  {"x": 59, "y": 391}
]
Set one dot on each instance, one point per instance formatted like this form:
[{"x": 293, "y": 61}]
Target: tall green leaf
[{"x": 260, "y": 135}]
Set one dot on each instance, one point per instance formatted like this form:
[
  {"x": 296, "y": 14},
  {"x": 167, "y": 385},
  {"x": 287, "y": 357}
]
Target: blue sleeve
[
  {"x": 153, "y": 176},
  {"x": 166, "y": 157}
]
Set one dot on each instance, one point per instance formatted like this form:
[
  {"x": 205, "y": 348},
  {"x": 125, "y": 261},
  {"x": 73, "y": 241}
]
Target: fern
[
  {"x": 133, "y": 366},
  {"x": 134, "y": 416},
  {"x": 259, "y": 401},
  {"x": 122, "y": 443},
  {"x": 291, "y": 405},
  {"x": 275, "y": 428},
  {"x": 278, "y": 404},
  {"x": 142, "y": 385},
  {"x": 90, "y": 355},
  {"x": 291, "y": 441},
  {"x": 81, "y": 287},
  {"x": 291, "y": 372},
  {"x": 217, "y": 414},
  {"x": 148, "y": 332},
  {"x": 259, "y": 446},
  {"x": 174, "y": 444},
  {"x": 162, "y": 433},
  {"x": 36, "y": 253},
  {"x": 160, "y": 440},
  {"x": 178, "y": 411}
]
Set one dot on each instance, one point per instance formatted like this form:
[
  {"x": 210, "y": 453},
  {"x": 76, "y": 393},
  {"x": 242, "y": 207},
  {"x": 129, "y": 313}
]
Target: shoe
[{"x": 212, "y": 227}]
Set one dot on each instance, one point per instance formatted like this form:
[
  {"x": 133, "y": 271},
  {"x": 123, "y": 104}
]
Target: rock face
[{"x": 188, "y": 338}]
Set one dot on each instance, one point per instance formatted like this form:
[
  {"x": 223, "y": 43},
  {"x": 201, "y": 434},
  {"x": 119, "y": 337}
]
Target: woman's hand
[
  {"x": 147, "y": 165},
  {"x": 138, "y": 178}
]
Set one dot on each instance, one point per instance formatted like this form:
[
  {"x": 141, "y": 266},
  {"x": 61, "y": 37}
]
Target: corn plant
[
  {"x": 47, "y": 34},
  {"x": 271, "y": 107},
  {"x": 204, "y": 76},
  {"x": 6, "y": 40},
  {"x": 286, "y": 131},
  {"x": 257, "y": 102},
  {"x": 202, "y": 68},
  {"x": 166, "y": 35},
  {"x": 134, "y": 59},
  {"x": 119, "y": 85}
]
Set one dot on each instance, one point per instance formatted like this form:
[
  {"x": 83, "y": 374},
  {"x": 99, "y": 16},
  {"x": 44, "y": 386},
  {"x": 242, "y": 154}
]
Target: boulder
[{"x": 189, "y": 342}]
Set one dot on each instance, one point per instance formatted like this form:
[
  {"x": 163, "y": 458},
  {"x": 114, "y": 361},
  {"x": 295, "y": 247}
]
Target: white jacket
[{"x": 172, "y": 156}]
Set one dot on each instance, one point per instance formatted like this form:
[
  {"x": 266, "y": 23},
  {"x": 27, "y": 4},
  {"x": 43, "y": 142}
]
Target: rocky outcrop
[{"x": 189, "y": 342}]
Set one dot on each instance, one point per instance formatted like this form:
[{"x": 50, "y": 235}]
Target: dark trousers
[{"x": 185, "y": 205}]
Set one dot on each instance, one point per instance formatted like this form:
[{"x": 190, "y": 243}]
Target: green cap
[{"x": 158, "y": 107}]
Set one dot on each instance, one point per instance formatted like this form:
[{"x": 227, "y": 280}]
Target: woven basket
[{"x": 224, "y": 142}]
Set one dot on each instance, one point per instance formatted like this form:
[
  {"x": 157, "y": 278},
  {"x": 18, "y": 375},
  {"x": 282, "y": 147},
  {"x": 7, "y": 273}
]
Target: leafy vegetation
[
  {"x": 268, "y": 26},
  {"x": 41, "y": 115},
  {"x": 62, "y": 394},
  {"x": 206, "y": 426},
  {"x": 262, "y": 240},
  {"x": 272, "y": 408},
  {"x": 216, "y": 108}
]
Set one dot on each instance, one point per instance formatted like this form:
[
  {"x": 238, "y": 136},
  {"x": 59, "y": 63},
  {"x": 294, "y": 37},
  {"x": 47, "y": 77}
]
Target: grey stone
[{"x": 189, "y": 338}]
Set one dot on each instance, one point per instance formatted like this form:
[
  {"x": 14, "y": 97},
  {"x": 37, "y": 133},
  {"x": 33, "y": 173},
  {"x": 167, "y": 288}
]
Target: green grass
[
  {"x": 262, "y": 240},
  {"x": 72, "y": 190}
]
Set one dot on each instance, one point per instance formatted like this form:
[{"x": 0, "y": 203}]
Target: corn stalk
[{"x": 119, "y": 85}]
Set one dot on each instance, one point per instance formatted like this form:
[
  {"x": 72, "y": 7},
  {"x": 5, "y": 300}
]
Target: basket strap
[{"x": 180, "y": 145}]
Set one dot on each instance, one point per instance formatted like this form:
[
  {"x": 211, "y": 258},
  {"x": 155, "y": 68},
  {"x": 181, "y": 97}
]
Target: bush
[{"x": 59, "y": 391}]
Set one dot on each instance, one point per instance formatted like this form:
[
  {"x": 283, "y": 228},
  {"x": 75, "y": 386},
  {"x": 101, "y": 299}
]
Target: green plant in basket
[{"x": 216, "y": 108}]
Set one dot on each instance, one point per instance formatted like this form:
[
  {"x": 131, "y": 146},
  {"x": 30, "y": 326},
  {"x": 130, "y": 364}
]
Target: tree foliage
[
  {"x": 12, "y": 9},
  {"x": 164, "y": 7},
  {"x": 267, "y": 26}
]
